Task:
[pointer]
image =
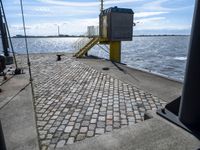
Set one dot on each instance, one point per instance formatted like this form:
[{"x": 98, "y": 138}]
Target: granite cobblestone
[{"x": 74, "y": 101}]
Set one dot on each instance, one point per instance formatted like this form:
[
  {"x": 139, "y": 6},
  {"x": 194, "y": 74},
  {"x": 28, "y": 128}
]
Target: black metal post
[
  {"x": 189, "y": 112},
  {"x": 2, "y": 141},
  {"x": 185, "y": 110},
  {"x": 4, "y": 35},
  {"x": 9, "y": 36}
]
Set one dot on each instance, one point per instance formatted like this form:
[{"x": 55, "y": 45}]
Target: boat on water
[{"x": 79, "y": 102}]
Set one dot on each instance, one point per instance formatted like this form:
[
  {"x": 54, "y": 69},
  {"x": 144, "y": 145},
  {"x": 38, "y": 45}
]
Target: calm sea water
[{"x": 164, "y": 55}]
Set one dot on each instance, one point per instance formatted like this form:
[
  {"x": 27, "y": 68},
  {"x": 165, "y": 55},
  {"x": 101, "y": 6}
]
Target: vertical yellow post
[{"x": 115, "y": 51}]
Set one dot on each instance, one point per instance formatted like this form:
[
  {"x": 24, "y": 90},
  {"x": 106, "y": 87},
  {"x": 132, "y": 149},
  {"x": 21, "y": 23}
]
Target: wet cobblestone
[{"x": 74, "y": 101}]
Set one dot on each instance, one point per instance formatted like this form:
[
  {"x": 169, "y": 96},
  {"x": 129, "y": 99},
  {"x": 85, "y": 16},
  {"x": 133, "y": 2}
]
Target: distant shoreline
[
  {"x": 86, "y": 36},
  {"x": 49, "y": 36},
  {"x": 157, "y": 35}
]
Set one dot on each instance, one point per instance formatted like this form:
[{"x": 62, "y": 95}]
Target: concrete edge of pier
[
  {"x": 17, "y": 115},
  {"x": 155, "y": 133}
]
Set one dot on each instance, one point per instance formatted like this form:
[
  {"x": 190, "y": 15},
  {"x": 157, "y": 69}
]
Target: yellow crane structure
[{"x": 115, "y": 26}]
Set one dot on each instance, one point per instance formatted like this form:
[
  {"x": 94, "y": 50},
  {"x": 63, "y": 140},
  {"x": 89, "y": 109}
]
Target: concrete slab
[
  {"x": 2, "y": 81},
  {"x": 18, "y": 120},
  {"x": 11, "y": 88},
  {"x": 153, "y": 134}
]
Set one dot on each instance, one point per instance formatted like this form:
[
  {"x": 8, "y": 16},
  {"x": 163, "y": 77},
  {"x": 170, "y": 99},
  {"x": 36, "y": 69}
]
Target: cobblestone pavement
[{"x": 74, "y": 101}]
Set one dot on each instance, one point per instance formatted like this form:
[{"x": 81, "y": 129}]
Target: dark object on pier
[
  {"x": 9, "y": 60},
  {"x": 18, "y": 71},
  {"x": 3, "y": 66},
  {"x": 59, "y": 57},
  {"x": 2, "y": 140},
  {"x": 105, "y": 68},
  {"x": 184, "y": 111},
  {"x": 2, "y": 63},
  {"x": 4, "y": 36}
]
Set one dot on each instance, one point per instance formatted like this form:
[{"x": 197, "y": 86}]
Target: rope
[
  {"x": 103, "y": 48},
  {"x": 11, "y": 45},
  {"x": 27, "y": 50},
  {"x": 12, "y": 98}
]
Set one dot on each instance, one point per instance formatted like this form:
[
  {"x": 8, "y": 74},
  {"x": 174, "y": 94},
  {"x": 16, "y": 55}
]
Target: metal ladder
[{"x": 86, "y": 47}]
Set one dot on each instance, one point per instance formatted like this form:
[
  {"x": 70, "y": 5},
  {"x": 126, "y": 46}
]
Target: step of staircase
[{"x": 87, "y": 47}]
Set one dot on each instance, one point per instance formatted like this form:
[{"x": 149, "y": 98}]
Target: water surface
[{"x": 164, "y": 55}]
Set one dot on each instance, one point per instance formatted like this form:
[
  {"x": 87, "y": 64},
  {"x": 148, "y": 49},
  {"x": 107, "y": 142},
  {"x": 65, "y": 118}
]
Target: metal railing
[
  {"x": 92, "y": 31},
  {"x": 80, "y": 43}
]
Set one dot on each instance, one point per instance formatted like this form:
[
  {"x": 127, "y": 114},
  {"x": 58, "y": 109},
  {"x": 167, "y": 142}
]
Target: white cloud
[
  {"x": 19, "y": 27},
  {"x": 74, "y": 17},
  {"x": 62, "y": 11},
  {"x": 51, "y": 12},
  {"x": 77, "y": 26},
  {"x": 165, "y": 27},
  {"x": 160, "y": 23},
  {"x": 156, "y": 5},
  {"x": 41, "y": 9},
  {"x": 148, "y": 14},
  {"x": 150, "y": 20},
  {"x": 85, "y": 4}
]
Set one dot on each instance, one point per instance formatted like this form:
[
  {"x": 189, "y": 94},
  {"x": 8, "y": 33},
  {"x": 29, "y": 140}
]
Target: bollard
[
  {"x": 2, "y": 63},
  {"x": 184, "y": 111},
  {"x": 59, "y": 57},
  {"x": 2, "y": 141}
]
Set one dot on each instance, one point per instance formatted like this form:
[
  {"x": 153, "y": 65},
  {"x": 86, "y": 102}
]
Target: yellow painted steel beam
[
  {"x": 115, "y": 51},
  {"x": 103, "y": 41},
  {"x": 87, "y": 47}
]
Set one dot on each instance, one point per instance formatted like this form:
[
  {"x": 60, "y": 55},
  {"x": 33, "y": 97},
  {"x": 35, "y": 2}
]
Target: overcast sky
[{"x": 73, "y": 16}]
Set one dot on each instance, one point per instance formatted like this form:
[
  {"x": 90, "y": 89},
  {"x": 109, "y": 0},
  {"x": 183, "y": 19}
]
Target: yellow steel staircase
[{"x": 87, "y": 47}]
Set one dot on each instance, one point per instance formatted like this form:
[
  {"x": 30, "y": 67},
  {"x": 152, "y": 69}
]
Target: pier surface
[
  {"x": 74, "y": 101},
  {"x": 77, "y": 100}
]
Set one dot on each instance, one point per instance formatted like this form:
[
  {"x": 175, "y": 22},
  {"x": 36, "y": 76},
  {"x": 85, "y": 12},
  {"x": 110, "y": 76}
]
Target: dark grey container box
[{"x": 116, "y": 24}]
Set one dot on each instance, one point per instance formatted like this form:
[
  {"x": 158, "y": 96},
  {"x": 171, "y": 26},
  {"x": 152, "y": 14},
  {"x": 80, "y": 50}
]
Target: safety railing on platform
[
  {"x": 92, "y": 31},
  {"x": 81, "y": 42},
  {"x": 87, "y": 47}
]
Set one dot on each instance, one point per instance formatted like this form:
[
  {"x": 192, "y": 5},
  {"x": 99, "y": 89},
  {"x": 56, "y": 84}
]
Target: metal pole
[
  {"x": 11, "y": 45},
  {"x": 27, "y": 50},
  {"x": 2, "y": 141},
  {"x": 3, "y": 36},
  {"x": 58, "y": 30},
  {"x": 102, "y": 5},
  {"x": 189, "y": 112},
  {"x": 100, "y": 19},
  {"x": 115, "y": 51}
]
